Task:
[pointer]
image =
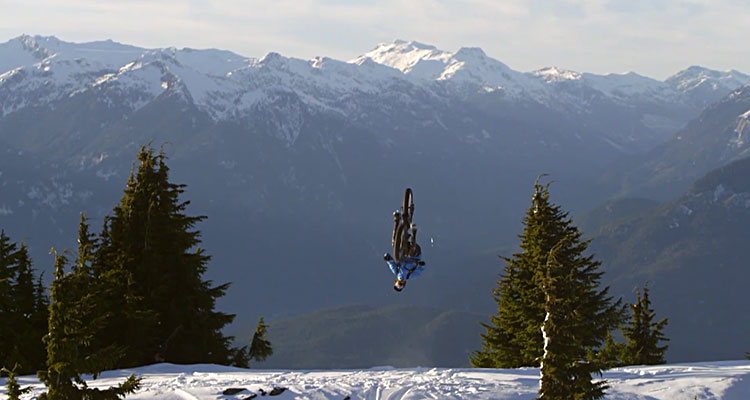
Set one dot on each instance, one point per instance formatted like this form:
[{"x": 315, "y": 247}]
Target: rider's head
[{"x": 399, "y": 285}]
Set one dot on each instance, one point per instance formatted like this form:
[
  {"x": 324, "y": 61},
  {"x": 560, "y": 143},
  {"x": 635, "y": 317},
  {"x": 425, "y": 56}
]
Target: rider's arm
[{"x": 393, "y": 267}]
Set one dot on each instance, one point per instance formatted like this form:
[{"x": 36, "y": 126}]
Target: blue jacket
[{"x": 402, "y": 269}]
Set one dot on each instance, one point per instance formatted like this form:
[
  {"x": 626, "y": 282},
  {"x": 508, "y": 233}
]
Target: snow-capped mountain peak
[
  {"x": 23, "y": 50},
  {"x": 705, "y": 86},
  {"x": 470, "y": 53},
  {"x": 555, "y": 74},
  {"x": 30, "y": 44},
  {"x": 701, "y": 78},
  {"x": 413, "y": 58},
  {"x": 469, "y": 67}
]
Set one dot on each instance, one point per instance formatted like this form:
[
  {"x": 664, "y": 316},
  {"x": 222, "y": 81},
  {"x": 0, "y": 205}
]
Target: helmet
[{"x": 399, "y": 285}]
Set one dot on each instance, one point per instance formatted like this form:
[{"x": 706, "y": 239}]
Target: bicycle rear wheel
[{"x": 407, "y": 213}]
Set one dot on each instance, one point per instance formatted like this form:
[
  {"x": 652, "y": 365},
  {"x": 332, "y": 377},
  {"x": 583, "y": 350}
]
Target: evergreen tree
[
  {"x": 125, "y": 317},
  {"x": 644, "y": 334},
  {"x": 86, "y": 248},
  {"x": 513, "y": 338},
  {"x": 609, "y": 355},
  {"x": 501, "y": 346},
  {"x": 260, "y": 348},
  {"x": 14, "y": 390},
  {"x": 72, "y": 327},
  {"x": 149, "y": 256},
  {"x": 8, "y": 257},
  {"x": 571, "y": 329},
  {"x": 30, "y": 316},
  {"x": 23, "y": 310}
]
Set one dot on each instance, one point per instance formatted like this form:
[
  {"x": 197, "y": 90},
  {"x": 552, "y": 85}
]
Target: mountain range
[
  {"x": 224, "y": 86},
  {"x": 298, "y": 164}
]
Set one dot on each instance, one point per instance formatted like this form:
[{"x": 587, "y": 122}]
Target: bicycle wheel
[{"x": 407, "y": 211}]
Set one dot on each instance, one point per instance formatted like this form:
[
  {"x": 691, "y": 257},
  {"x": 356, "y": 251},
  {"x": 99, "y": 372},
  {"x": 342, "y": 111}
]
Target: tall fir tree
[
  {"x": 513, "y": 338},
  {"x": 643, "y": 335},
  {"x": 571, "y": 329},
  {"x": 151, "y": 258},
  {"x": 73, "y": 324},
  {"x": 260, "y": 347}
]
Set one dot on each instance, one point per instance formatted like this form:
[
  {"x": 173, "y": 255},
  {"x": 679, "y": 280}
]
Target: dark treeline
[{"x": 134, "y": 294}]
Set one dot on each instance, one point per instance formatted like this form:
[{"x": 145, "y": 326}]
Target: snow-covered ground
[{"x": 727, "y": 380}]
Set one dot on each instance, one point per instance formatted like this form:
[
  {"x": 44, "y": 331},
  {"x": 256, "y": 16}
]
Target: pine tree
[
  {"x": 513, "y": 338},
  {"x": 644, "y": 334},
  {"x": 23, "y": 310},
  {"x": 72, "y": 327},
  {"x": 260, "y": 348},
  {"x": 14, "y": 390},
  {"x": 150, "y": 257},
  {"x": 86, "y": 248},
  {"x": 570, "y": 328},
  {"x": 501, "y": 346},
  {"x": 126, "y": 320},
  {"x": 30, "y": 316},
  {"x": 609, "y": 355},
  {"x": 8, "y": 257}
]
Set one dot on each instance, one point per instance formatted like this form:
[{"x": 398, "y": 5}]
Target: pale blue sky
[{"x": 652, "y": 37}]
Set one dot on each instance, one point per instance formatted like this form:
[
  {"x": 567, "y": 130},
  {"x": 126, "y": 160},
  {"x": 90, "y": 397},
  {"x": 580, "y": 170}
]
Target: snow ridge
[
  {"x": 555, "y": 74},
  {"x": 37, "y": 70},
  {"x": 696, "y": 77}
]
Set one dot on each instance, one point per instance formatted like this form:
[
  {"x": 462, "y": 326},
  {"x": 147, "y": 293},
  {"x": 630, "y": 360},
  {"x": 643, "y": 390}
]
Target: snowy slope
[
  {"x": 19, "y": 52},
  {"x": 37, "y": 70},
  {"x": 468, "y": 66},
  {"x": 695, "y": 76},
  {"x": 555, "y": 74},
  {"x": 704, "y": 86},
  {"x": 728, "y": 380},
  {"x": 623, "y": 86}
]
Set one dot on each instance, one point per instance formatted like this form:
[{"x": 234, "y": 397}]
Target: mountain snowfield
[
  {"x": 728, "y": 380},
  {"x": 36, "y": 70}
]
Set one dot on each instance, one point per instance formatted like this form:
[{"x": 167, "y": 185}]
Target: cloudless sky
[{"x": 652, "y": 37}]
